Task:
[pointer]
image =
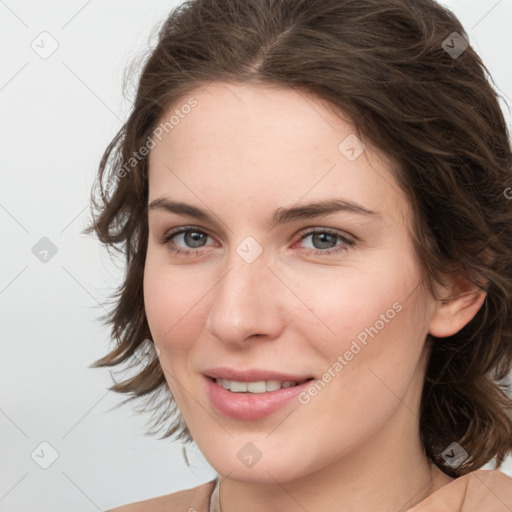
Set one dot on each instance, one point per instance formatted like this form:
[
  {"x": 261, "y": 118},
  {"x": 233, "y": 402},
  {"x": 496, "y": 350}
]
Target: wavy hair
[{"x": 420, "y": 94}]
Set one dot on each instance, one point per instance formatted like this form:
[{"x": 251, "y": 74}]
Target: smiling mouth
[
  {"x": 257, "y": 387},
  {"x": 252, "y": 400}
]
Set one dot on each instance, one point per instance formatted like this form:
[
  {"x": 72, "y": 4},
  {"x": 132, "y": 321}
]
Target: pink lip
[
  {"x": 250, "y": 406},
  {"x": 252, "y": 375}
]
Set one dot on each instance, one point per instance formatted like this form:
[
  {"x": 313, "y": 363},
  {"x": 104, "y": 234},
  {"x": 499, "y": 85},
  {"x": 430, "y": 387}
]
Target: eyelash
[{"x": 166, "y": 240}]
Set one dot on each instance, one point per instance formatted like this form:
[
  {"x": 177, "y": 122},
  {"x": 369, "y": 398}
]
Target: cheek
[
  {"x": 171, "y": 303},
  {"x": 172, "y": 309},
  {"x": 372, "y": 359},
  {"x": 371, "y": 321},
  {"x": 381, "y": 357},
  {"x": 356, "y": 303}
]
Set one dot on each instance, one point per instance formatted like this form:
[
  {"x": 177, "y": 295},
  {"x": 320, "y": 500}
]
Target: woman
[{"x": 312, "y": 200}]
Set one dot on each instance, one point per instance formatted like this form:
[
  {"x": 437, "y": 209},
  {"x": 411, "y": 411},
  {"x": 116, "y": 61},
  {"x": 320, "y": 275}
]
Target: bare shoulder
[{"x": 188, "y": 500}]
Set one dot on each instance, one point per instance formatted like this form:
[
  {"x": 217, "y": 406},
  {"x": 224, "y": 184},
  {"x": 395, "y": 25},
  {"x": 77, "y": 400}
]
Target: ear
[{"x": 457, "y": 302}]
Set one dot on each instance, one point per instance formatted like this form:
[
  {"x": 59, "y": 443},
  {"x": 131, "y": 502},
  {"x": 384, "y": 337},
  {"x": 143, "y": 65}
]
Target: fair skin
[{"x": 241, "y": 154}]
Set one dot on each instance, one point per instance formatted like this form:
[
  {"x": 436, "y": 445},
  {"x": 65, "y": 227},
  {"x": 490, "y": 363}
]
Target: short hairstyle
[{"x": 412, "y": 85}]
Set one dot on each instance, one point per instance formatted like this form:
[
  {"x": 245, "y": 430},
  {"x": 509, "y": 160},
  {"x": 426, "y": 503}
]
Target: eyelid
[
  {"x": 325, "y": 229},
  {"x": 183, "y": 229},
  {"x": 166, "y": 238},
  {"x": 347, "y": 239},
  {"x": 303, "y": 231}
]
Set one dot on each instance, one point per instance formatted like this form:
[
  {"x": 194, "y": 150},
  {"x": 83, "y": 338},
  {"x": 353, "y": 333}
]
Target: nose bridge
[{"x": 245, "y": 300}]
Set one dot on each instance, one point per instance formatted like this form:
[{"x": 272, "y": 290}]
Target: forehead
[
  {"x": 257, "y": 122},
  {"x": 276, "y": 144}
]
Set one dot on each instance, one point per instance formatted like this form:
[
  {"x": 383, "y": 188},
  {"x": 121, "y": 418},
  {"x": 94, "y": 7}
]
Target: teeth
[
  {"x": 256, "y": 387},
  {"x": 261, "y": 386},
  {"x": 273, "y": 385}
]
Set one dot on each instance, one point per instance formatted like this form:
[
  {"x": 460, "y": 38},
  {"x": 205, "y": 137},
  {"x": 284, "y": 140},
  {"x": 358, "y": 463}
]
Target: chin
[{"x": 245, "y": 461}]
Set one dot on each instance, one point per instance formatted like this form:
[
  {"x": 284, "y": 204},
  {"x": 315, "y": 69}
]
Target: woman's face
[{"x": 270, "y": 286}]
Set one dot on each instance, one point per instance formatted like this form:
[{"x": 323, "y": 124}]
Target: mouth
[
  {"x": 251, "y": 400},
  {"x": 259, "y": 386}
]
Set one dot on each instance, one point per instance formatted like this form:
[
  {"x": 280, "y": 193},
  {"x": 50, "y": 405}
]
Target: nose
[{"x": 246, "y": 303}]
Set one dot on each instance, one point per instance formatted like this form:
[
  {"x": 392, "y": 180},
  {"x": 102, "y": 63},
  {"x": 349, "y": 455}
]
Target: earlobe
[{"x": 456, "y": 309}]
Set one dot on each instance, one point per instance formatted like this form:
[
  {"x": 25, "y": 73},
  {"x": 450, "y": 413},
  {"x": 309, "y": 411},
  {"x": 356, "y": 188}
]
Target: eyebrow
[{"x": 281, "y": 215}]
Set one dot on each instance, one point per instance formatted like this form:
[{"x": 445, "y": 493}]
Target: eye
[
  {"x": 325, "y": 241},
  {"x": 192, "y": 237},
  {"x": 323, "y": 238}
]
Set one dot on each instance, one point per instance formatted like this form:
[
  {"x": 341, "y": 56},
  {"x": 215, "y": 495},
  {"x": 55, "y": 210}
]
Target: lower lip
[{"x": 251, "y": 406}]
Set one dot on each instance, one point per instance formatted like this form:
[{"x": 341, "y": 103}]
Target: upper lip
[{"x": 252, "y": 375}]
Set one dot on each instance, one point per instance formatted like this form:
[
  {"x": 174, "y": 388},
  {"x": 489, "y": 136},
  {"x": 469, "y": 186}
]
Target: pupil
[
  {"x": 192, "y": 237},
  {"x": 321, "y": 237}
]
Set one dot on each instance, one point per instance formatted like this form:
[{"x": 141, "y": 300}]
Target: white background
[{"x": 58, "y": 115}]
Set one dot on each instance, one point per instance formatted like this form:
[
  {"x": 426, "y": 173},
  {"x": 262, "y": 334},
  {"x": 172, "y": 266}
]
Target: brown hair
[{"x": 388, "y": 65}]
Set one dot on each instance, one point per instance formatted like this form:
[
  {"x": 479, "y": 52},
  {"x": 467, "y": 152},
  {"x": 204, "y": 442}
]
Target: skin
[
  {"x": 243, "y": 152},
  {"x": 480, "y": 490}
]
